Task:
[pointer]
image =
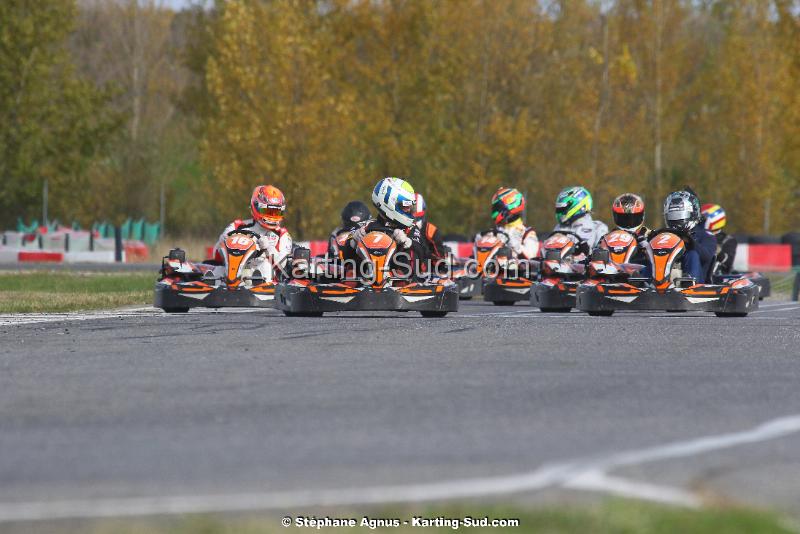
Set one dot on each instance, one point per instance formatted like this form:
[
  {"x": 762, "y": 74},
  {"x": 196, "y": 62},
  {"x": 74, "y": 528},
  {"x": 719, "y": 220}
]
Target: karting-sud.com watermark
[{"x": 373, "y": 523}]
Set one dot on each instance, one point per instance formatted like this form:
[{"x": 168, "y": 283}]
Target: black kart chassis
[
  {"x": 168, "y": 298},
  {"x": 737, "y": 301},
  {"x": 550, "y": 297},
  {"x": 300, "y": 299}
]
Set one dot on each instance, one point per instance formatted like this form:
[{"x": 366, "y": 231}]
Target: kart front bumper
[
  {"x": 724, "y": 299},
  {"x": 316, "y": 298},
  {"x": 557, "y": 296},
  {"x": 506, "y": 289},
  {"x": 199, "y": 295}
]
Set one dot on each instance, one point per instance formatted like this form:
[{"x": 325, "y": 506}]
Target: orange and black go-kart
[
  {"x": 560, "y": 272},
  {"x": 211, "y": 284},
  {"x": 611, "y": 288},
  {"x": 370, "y": 284},
  {"x": 468, "y": 274},
  {"x": 508, "y": 280}
]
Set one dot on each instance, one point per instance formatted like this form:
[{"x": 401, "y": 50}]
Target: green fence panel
[
  {"x": 125, "y": 229},
  {"x": 137, "y": 228},
  {"x": 151, "y": 233}
]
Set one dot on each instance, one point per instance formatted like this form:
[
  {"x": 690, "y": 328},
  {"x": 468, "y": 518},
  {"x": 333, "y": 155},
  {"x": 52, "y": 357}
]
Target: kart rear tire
[
  {"x": 176, "y": 309},
  {"x": 730, "y": 314},
  {"x": 468, "y": 297},
  {"x": 601, "y": 313},
  {"x": 302, "y": 314},
  {"x": 432, "y": 313},
  {"x": 503, "y": 302},
  {"x": 555, "y": 310}
]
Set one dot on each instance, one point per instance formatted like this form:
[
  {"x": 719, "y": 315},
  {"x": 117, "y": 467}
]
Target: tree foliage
[{"x": 53, "y": 124}]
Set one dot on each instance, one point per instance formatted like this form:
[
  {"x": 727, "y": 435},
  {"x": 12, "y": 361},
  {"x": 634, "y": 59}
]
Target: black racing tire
[
  {"x": 555, "y": 310},
  {"x": 601, "y": 313},
  {"x": 467, "y": 297},
  {"x": 176, "y": 309},
  {"x": 503, "y": 302},
  {"x": 730, "y": 314},
  {"x": 432, "y": 313},
  {"x": 302, "y": 314}
]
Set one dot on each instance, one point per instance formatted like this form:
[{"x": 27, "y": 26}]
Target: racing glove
[
  {"x": 267, "y": 245},
  {"x": 359, "y": 233},
  {"x": 401, "y": 238}
]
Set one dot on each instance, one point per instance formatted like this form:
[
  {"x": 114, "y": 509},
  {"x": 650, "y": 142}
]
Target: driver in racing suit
[
  {"x": 573, "y": 214},
  {"x": 508, "y": 205},
  {"x": 714, "y": 220},
  {"x": 394, "y": 199},
  {"x": 430, "y": 232},
  {"x": 353, "y": 214},
  {"x": 267, "y": 205},
  {"x": 682, "y": 215}
]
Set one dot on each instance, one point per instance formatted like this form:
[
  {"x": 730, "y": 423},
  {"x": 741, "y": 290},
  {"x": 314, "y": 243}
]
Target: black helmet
[{"x": 354, "y": 213}]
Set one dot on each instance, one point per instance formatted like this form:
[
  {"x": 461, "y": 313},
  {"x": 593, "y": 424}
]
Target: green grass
[
  {"x": 29, "y": 292},
  {"x": 613, "y": 516}
]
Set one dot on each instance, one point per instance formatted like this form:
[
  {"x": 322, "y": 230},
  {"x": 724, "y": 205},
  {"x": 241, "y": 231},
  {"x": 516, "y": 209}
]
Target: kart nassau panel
[
  {"x": 554, "y": 293},
  {"x": 763, "y": 283},
  {"x": 506, "y": 289},
  {"x": 740, "y": 296},
  {"x": 199, "y": 294},
  {"x": 296, "y": 296}
]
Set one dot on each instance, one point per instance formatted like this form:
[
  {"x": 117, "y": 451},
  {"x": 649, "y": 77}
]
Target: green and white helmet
[
  {"x": 572, "y": 203},
  {"x": 394, "y": 198}
]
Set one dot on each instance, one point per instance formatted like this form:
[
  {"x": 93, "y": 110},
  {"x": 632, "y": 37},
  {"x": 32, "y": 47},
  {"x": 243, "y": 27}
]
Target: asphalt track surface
[{"x": 137, "y": 412}]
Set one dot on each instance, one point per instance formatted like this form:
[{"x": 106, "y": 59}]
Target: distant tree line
[{"x": 124, "y": 106}]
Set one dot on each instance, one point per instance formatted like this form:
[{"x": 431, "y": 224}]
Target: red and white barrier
[
  {"x": 759, "y": 257},
  {"x": 8, "y": 255}
]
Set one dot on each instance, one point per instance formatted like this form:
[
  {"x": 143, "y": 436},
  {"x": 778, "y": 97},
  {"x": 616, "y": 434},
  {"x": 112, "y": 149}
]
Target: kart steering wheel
[{"x": 245, "y": 232}]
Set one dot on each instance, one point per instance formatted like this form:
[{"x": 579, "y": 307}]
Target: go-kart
[
  {"x": 373, "y": 283},
  {"x": 213, "y": 284},
  {"x": 612, "y": 286},
  {"x": 468, "y": 274},
  {"x": 560, "y": 271}
]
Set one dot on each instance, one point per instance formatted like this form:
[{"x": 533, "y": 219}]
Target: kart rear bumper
[
  {"x": 191, "y": 295},
  {"x": 548, "y": 296},
  {"x": 315, "y": 298},
  {"x": 710, "y": 298},
  {"x": 506, "y": 290}
]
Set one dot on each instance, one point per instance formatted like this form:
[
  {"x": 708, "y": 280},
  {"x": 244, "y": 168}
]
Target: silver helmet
[{"x": 681, "y": 210}]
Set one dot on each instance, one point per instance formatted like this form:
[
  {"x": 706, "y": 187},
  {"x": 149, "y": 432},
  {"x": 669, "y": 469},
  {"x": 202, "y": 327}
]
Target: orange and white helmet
[{"x": 267, "y": 206}]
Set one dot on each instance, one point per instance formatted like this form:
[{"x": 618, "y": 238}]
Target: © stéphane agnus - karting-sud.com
[{"x": 393, "y": 258}]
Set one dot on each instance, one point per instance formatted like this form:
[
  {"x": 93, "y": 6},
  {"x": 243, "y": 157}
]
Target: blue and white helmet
[{"x": 395, "y": 200}]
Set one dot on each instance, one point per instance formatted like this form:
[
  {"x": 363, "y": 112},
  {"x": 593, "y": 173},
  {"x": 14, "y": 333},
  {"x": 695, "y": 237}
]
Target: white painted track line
[{"x": 588, "y": 473}]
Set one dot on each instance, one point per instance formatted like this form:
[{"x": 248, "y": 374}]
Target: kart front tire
[
  {"x": 176, "y": 309},
  {"x": 467, "y": 297},
  {"x": 302, "y": 314},
  {"x": 555, "y": 310},
  {"x": 730, "y": 314},
  {"x": 431, "y": 313},
  {"x": 601, "y": 313}
]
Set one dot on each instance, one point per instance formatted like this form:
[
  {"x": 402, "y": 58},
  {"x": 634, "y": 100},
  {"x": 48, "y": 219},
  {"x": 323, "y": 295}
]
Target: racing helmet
[
  {"x": 714, "y": 217},
  {"x": 419, "y": 209},
  {"x": 267, "y": 206},
  {"x": 354, "y": 213},
  {"x": 681, "y": 210},
  {"x": 628, "y": 210},
  {"x": 508, "y": 204},
  {"x": 394, "y": 198},
  {"x": 572, "y": 203}
]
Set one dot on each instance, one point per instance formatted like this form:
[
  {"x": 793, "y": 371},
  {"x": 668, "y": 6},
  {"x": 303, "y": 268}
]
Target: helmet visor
[
  {"x": 628, "y": 220},
  {"x": 265, "y": 210},
  {"x": 406, "y": 206},
  {"x": 681, "y": 220}
]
